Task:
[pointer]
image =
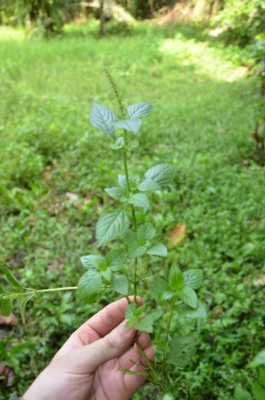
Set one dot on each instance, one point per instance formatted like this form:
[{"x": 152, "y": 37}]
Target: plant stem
[{"x": 166, "y": 337}]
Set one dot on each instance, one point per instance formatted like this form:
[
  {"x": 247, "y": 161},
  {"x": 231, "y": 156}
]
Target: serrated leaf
[
  {"x": 131, "y": 322},
  {"x": 103, "y": 118},
  {"x": 158, "y": 250},
  {"x": 155, "y": 314},
  {"x": 130, "y": 237},
  {"x": 258, "y": 391},
  {"x": 176, "y": 278},
  {"x": 88, "y": 284},
  {"x": 163, "y": 174},
  {"x": 139, "y": 110},
  {"x": 139, "y": 311},
  {"x": 130, "y": 310},
  {"x": 10, "y": 277},
  {"x": 188, "y": 296},
  {"x": 147, "y": 185},
  {"x": 106, "y": 274},
  {"x": 135, "y": 249},
  {"x": 146, "y": 232},
  {"x": 110, "y": 225},
  {"x": 193, "y": 278},
  {"x": 130, "y": 125},
  {"x": 183, "y": 349},
  {"x": 145, "y": 324},
  {"x": 120, "y": 284},
  {"x": 133, "y": 181},
  {"x": 5, "y": 306},
  {"x": 119, "y": 143},
  {"x": 158, "y": 286},
  {"x": 92, "y": 261},
  {"x": 139, "y": 200},
  {"x": 116, "y": 259},
  {"x": 116, "y": 192},
  {"x": 241, "y": 394},
  {"x": 258, "y": 360},
  {"x": 188, "y": 312}
]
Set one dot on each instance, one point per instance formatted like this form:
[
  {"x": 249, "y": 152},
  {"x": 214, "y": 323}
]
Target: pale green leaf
[
  {"x": 119, "y": 144},
  {"x": 168, "y": 396},
  {"x": 155, "y": 314},
  {"x": 145, "y": 232},
  {"x": 188, "y": 312},
  {"x": 120, "y": 284},
  {"x": 258, "y": 360},
  {"x": 188, "y": 296},
  {"x": 106, "y": 274},
  {"x": 116, "y": 259},
  {"x": 139, "y": 110},
  {"x": 133, "y": 181},
  {"x": 193, "y": 278},
  {"x": 135, "y": 249},
  {"x": 241, "y": 394},
  {"x": 116, "y": 193},
  {"x": 163, "y": 174},
  {"x": 103, "y": 118},
  {"x": 147, "y": 185},
  {"x": 130, "y": 125},
  {"x": 88, "y": 284},
  {"x": 10, "y": 277},
  {"x": 110, "y": 225},
  {"x": 130, "y": 310},
  {"x": 130, "y": 237},
  {"x": 183, "y": 349},
  {"x": 158, "y": 287},
  {"x": 92, "y": 261},
  {"x": 176, "y": 278},
  {"x": 145, "y": 324},
  {"x": 139, "y": 200},
  {"x": 158, "y": 250}
]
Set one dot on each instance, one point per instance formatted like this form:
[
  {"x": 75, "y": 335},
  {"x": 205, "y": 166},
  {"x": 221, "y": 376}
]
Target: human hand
[{"x": 88, "y": 366}]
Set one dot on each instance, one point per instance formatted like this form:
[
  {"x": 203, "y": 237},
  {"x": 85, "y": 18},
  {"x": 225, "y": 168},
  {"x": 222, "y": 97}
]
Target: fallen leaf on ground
[
  {"x": 260, "y": 281},
  {"x": 176, "y": 235}
]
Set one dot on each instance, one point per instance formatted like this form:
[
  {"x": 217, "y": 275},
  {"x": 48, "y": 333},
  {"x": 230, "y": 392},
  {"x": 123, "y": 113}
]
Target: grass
[{"x": 202, "y": 119}]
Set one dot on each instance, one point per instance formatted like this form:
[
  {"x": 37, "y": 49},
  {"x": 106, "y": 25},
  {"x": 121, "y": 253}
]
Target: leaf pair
[
  {"x": 140, "y": 322},
  {"x": 139, "y": 243},
  {"x": 104, "y": 119},
  {"x": 181, "y": 285}
]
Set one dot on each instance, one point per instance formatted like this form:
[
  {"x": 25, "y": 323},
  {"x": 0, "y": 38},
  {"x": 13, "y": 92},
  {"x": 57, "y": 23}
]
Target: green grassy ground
[{"x": 202, "y": 119}]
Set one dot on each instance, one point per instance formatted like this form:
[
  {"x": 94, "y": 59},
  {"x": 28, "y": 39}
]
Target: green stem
[
  {"x": 166, "y": 337},
  {"x": 56, "y": 289}
]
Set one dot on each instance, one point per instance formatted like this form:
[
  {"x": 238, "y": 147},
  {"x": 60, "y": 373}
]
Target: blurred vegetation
[{"x": 54, "y": 166}]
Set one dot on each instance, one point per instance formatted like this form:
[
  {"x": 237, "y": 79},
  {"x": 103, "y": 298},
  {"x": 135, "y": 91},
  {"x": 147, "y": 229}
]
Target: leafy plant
[{"x": 125, "y": 269}]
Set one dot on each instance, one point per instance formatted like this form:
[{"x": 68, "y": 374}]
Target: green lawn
[{"x": 203, "y": 112}]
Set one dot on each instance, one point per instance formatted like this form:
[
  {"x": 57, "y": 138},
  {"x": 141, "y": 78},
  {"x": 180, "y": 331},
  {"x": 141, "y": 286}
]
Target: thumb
[{"x": 89, "y": 358}]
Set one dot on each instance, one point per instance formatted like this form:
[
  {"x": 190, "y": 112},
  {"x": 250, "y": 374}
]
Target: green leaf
[
  {"x": 135, "y": 249},
  {"x": 130, "y": 237},
  {"x": 188, "y": 296},
  {"x": 110, "y": 225},
  {"x": 176, "y": 278},
  {"x": 116, "y": 259},
  {"x": 147, "y": 185},
  {"x": 139, "y": 200},
  {"x": 5, "y": 306},
  {"x": 131, "y": 322},
  {"x": 258, "y": 391},
  {"x": 22, "y": 307},
  {"x": 145, "y": 232},
  {"x": 262, "y": 375},
  {"x": 258, "y": 360},
  {"x": 130, "y": 125},
  {"x": 103, "y": 118},
  {"x": 106, "y": 274},
  {"x": 120, "y": 284},
  {"x": 187, "y": 312},
  {"x": 241, "y": 394},
  {"x": 139, "y": 110},
  {"x": 10, "y": 277},
  {"x": 168, "y": 396},
  {"x": 130, "y": 310},
  {"x": 163, "y": 174},
  {"x": 158, "y": 286},
  {"x": 93, "y": 298},
  {"x": 116, "y": 192},
  {"x": 119, "y": 143},
  {"x": 133, "y": 145},
  {"x": 133, "y": 180},
  {"x": 145, "y": 324},
  {"x": 158, "y": 250},
  {"x": 139, "y": 311},
  {"x": 92, "y": 261},
  {"x": 193, "y": 278},
  {"x": 155, "y": 314},
  {"x": 183, "y": 349},
  {"x": 88, "y": 284}
]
